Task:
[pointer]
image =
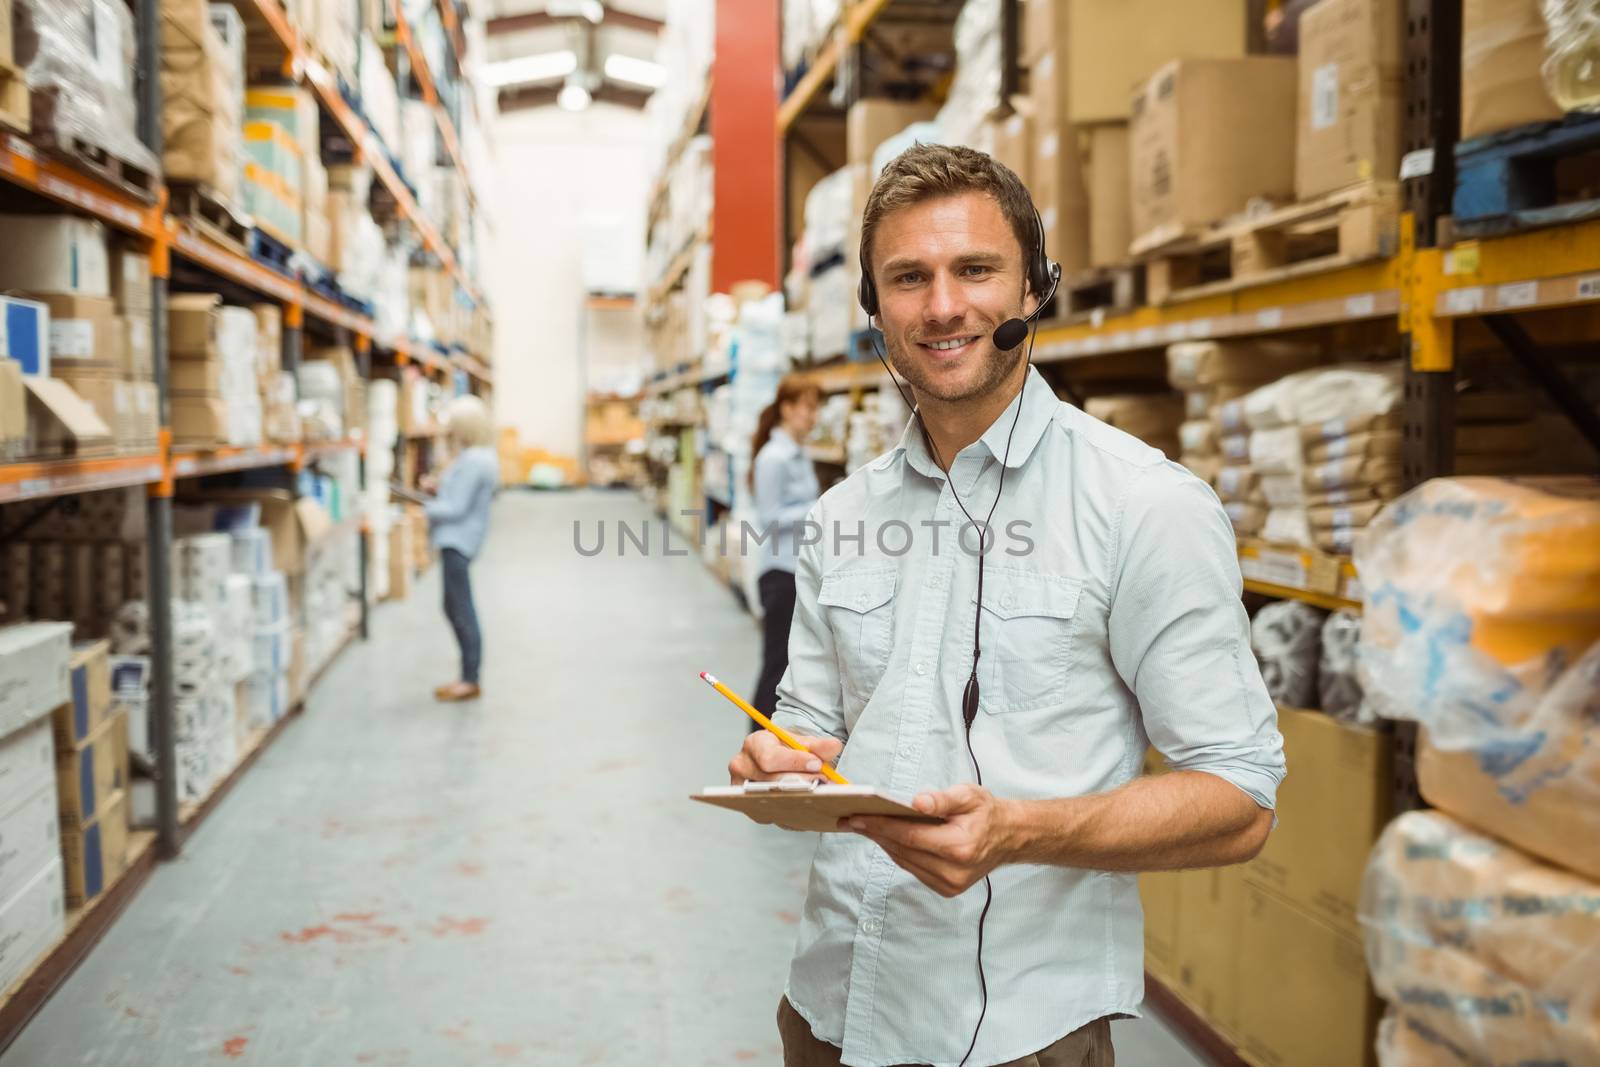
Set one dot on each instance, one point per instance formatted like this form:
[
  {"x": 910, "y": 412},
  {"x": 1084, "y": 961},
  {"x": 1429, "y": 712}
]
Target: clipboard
[
  {"x": 796, "y": 803},
  {"x": 396, "y": 489}
]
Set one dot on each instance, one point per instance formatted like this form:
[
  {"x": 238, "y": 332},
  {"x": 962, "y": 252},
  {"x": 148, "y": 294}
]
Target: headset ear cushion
[{"x": 867, "y": 296}]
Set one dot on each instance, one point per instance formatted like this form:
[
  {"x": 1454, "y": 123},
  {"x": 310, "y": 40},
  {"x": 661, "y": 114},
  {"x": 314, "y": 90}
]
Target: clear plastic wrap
[
  {"x": 1482, "y": 623},
  {"x": 1480, "y": 949},
  {"x": 78, "y": 59},
  {"x": 1286, "y": 636},
  {"x": 1338, "y": 680},
  {"x": 1572, "y": 53}
]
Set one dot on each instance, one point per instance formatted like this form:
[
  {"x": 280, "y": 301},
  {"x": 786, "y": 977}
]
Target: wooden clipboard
[{"x": 806, "y": 804}]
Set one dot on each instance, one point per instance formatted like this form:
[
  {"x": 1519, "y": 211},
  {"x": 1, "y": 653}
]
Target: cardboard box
[
  {"x": 1110, "y": 209},
  {"x": 196, "y": 377},
  {"x": 1013, "y": 145},
  {"x": 89, "y": 676},
  {"x": 198, "y": 420},
  {"x": 82, "y": 329},
  {"x": 30, "y": 838},
  {"x": 110, "y": 399},
  {"x": 1318, "y": 1010},
  {"x": 194, "y": 322},
  {"x": 30, "y": 923},
  {"x": 27, "y": 762},
  {"x": 34, "y": 658},
  {"x": 94, "y": 856},
  {"x": 1104, "y": 48},
  {"x": 13, "y": 410},
  {"x": 871, "y": 122},
  {"x": 146, "y": 425},
  {"x": 25, "y": 334},
  {"x": 1062, "y": 198},
  {"x": 1206, "y": 137},
  {"x": 133, "y": 357},
  {"x": 1160, "y": 895},
  {"x": 201, "y": 112},
  {"x": 1208, "y": 957},
  {"x": 1330, "y": 812},
  {"x": 1502, "y": 52},
  {"x": 1352, "y": 87},
  {"x": 54, "y": 254},
  {"x": 130, "y": 282},
  {"x": 89, "y": 776}
]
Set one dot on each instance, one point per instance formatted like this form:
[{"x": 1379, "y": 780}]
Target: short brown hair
[{"x": 928, "y": 171}]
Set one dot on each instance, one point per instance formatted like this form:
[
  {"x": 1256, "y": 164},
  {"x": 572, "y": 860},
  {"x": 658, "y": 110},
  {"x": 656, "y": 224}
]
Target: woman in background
[
  {"x": 785, "y": 486},
  {"x": 458, "y": 521}
]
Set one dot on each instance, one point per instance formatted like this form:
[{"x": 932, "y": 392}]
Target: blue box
[{"x": 25, "y": 334}]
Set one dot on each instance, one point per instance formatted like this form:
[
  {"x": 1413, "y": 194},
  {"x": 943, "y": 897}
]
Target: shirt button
[
  {"x": 1005, "y": 601},
  {"x": 862, "y": 600},
  {"x": 922, "y": 668},
  {"x": 871, "y": 926}
]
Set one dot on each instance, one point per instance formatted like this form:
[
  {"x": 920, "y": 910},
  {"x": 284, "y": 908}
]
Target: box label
[
  {"x": 1360, "y": 307},
  {"x": 72, "y": 338},
  {"x": 1324, "y": 96},
  {"x": 1464, "y": 301},
  {"x": 1522, "y": 294},
  {"x": 1589, "y": 288}
]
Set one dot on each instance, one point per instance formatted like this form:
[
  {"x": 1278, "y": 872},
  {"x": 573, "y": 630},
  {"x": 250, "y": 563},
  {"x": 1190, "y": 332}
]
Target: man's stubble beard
[{"x": 998, "y": 365}]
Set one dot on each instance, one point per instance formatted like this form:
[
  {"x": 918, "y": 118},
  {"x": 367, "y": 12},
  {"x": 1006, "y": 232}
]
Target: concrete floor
[{"x": 517, "y": 881}]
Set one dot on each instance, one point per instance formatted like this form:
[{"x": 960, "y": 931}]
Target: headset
[{"x": 1044, "y": 276}]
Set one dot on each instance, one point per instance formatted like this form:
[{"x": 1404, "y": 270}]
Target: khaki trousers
[{"x": 1087, "y": 1046}]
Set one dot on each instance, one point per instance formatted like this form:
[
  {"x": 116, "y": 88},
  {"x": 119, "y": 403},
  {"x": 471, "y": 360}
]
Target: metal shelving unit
[{"x": 166, "y": 239}]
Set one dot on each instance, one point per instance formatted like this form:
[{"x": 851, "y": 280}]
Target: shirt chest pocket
[
  {"x": 858, "y": 603},
  {"x": 1027, "y": 628}
]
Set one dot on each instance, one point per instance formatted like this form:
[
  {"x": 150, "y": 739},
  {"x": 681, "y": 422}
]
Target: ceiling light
[
  {"x": 573, "y": 97},
  {"x": 635, "y": 71},
  {"x": 526, "y": 69},
  {"x": 592, "y": 10}
]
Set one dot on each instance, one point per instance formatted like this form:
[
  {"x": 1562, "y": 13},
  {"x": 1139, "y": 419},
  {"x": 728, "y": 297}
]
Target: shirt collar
[{"x": 1039, "y": 404}]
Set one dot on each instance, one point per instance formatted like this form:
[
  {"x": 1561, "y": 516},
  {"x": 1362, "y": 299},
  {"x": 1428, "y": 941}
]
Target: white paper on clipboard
[{"x": 805, "y": 804}]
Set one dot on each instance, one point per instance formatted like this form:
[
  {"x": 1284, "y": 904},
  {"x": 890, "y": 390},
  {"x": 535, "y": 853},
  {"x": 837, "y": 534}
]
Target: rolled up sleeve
[
  {"x": 1180, "y": 637},
  {"x": 810, "y": 698}
]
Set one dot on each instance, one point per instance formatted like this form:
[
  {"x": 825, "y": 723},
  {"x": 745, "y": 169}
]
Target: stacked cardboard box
[
  {"x": 1208, "y": 136},
  {"x": 79, "y": 566},
  {"x": 1502, "y": 55},
  {"x": 216, "y": 397},
  {"x": 33, "y": 682},
  {"x": 1085, "y": 59},
  {"x": 91, "y": 735},
  {"x": 202, "y": 100},
  {"x": 1351, "y": 88}
]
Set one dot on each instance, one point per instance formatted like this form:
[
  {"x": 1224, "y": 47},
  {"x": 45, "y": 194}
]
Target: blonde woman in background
[
  {"x": 458, "y": 522},
  {"x": 785, "y": 486}
]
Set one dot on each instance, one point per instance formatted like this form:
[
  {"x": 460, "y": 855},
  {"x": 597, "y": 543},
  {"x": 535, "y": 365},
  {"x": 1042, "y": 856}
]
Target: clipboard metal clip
[{"x": 789, "y": 783}]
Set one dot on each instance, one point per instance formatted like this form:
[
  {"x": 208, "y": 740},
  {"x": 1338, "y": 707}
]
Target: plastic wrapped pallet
[
  {"x": 1482, "y": 624},
  {"x": 202, "y": 99},
  {"x": 1338, "y": 678},
  {"x": 78, "y": 59},
  {"x": 1491, "y": 953},
  {"x": 977, "y": 81},
  {"x": 1288, "y": 525},
  {"x": 1286, "y": 636}
]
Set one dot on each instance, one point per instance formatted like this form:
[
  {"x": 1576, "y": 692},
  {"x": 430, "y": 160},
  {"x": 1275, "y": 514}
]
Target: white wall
[{"x": 553, "y": 169}]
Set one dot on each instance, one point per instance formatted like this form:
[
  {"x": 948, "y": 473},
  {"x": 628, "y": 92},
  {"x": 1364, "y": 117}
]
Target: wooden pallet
[
  {"x": 1105, "y": 290},
  {"x": 1352, "y": 225},
  {"x": 131, "y": 178},
  {"x": 203, "y": 208},
  {"x": 1531, "y": 176},
  {"x": 14, "y": 105}
]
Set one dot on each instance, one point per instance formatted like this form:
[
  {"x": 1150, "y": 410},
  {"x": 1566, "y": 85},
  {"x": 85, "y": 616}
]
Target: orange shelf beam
[
  {"x": 430, "y": 95},
  {"x": 24, "y": 165},
  {"x": 57, "y": 477}
]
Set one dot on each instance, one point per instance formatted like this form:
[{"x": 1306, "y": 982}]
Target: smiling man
[{"x": 1011, "y": 932}]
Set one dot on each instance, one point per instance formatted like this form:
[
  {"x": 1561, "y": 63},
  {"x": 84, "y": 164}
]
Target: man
[{"x": 1110, "y": 616}]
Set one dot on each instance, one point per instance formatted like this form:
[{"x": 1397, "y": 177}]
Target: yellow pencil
[{"x": 783, "y": 735}]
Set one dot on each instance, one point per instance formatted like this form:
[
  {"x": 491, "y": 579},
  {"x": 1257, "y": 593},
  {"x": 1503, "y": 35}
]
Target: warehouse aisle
[{"x": 518, "y": 881}]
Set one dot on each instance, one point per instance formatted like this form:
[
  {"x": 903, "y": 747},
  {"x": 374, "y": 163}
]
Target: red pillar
[{"x": 744, "y": 145}]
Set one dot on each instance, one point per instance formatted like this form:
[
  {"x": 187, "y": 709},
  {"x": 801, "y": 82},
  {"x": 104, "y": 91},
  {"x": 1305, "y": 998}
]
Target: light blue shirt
[
  {"x": 1122, "y": 624},
  {"x": 786, "y": 489},
  {"x": 458, "y": 517}
]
